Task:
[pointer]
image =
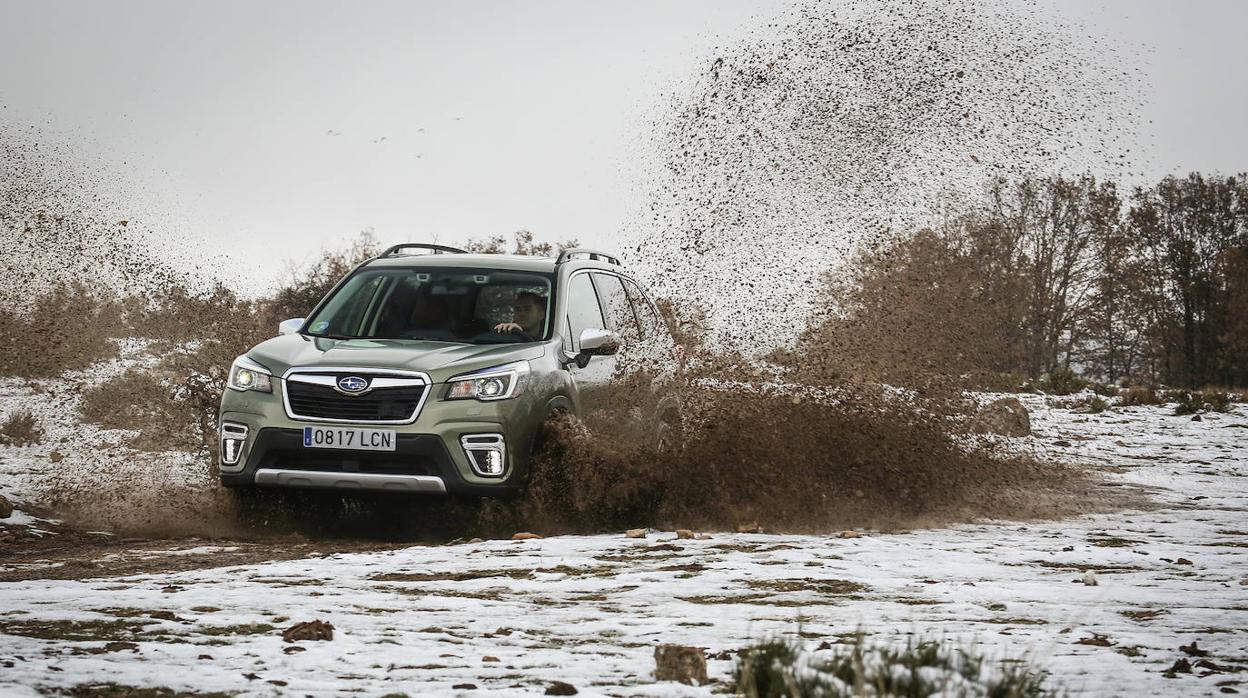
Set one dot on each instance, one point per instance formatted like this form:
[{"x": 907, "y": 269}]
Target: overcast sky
[{"x": 274, "y": 129}]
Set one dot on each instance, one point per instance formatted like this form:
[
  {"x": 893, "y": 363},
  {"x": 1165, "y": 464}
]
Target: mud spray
[{"x": 835, "y": 129}]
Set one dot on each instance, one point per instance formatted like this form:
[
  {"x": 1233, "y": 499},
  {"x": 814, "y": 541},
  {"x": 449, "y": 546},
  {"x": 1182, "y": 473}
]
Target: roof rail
[
  {"x": 437, "y": 249},
  {"x": 597, "y": 256}
]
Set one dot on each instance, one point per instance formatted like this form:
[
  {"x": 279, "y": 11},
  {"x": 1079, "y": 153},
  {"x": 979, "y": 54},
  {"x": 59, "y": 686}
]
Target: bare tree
[
  {"x": 1054, "y": 222},
  {"x": 1054, "y": 278},
  {"x": 525, "y": 243},
  {"x": 1235, "y": 339},
  {"x": 1187, "y": 229}
]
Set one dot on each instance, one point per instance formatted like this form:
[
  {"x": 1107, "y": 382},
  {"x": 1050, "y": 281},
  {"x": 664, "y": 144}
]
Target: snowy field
[{"x": 1103, "y": 602}]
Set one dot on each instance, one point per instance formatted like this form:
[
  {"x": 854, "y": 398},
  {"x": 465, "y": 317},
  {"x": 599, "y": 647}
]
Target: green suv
[{"x": 435, "y": 373}]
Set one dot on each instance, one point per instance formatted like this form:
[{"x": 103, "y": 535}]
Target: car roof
[{"x": 513, "y": 262}]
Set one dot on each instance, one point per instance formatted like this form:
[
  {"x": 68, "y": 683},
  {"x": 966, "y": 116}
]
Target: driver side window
[
  {"x": 619, "y": 311},
  {"x": 584, "y": 311}
]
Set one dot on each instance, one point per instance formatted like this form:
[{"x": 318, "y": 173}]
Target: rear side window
[
  {"x": 583, "y": 311},
  {"x": 618, "y": 310},
  {"x": 651, "y": 326}
]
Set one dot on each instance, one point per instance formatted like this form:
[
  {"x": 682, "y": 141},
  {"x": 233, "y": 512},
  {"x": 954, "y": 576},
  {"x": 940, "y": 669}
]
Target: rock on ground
[
  {"x": 310, "y": 630},
  {"x": 679, "y": 663}
]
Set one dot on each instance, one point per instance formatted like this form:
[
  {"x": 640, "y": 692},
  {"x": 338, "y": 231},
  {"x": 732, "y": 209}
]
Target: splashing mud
[
  {"x": 63, "y": 222},
  {"x": 795, "y": 460},
  {"x": 848, "y": 123}
]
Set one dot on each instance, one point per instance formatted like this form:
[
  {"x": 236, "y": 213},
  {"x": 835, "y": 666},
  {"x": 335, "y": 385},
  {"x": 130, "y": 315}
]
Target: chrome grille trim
[
  {"x": 380, "y": 382},
  {"x": 385, "y": 378}
]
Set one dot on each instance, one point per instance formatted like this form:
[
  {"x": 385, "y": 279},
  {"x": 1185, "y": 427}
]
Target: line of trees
[{"x": 1058, "y": 275}]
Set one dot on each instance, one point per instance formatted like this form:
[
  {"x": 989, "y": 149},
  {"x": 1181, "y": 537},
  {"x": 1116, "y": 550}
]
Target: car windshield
[{"x": 474, "y": 306}]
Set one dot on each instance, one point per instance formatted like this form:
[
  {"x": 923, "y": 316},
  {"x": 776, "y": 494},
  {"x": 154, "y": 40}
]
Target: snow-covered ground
[
  {"x": 83, "y": 456},
  {"x": 511, "y": 617}
]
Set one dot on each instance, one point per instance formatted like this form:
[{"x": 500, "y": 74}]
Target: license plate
[{"x": 352, "y": 438}]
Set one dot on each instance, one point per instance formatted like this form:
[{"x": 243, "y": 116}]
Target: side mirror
[
  {"x": 290, "y": 326},
  {"x": 596, "y": 342}
]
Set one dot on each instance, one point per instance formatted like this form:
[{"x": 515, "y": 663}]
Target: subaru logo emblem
[{"x": 352, "y": 384}]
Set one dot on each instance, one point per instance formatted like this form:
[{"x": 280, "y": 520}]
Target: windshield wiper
[{"x": 432, "y": 338}]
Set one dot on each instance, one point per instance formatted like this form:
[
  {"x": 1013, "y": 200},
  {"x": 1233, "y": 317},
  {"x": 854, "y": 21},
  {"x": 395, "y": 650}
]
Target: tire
[{"x": 545, "y": 448}]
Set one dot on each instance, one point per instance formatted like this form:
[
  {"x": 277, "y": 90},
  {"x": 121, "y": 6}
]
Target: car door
[
  {"x": 661, "y": 353},
  {"x": 583, "y": 311},
  {"x": 630, "y": 394}
]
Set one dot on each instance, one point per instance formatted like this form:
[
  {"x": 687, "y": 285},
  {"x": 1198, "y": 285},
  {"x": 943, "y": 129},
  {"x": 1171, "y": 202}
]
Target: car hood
[{"x": 440, "y": 360}]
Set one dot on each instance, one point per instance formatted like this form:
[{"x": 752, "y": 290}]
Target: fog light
[
  {"x": 233, "y": 436},
  {"x": 490, "y": 462},
  {"x": 487, "y": 453}
]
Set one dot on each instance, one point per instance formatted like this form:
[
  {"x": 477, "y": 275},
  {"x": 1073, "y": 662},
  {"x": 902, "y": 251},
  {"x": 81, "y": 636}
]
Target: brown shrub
[
  {"x": 1060, "y": 382},
  {"x": 1186, "y": 401},
  {"x": 65, "y": 329},
  {"x": 934, "y": 310},
  {"x": 178, "y": 314},
  {"x": 523, "y": 242},
  {"x": 306, "y": 286},
  {"x": 145, "y": 401},
  {"x": 199, "y": 333},
  {"x": 20, "y": 429},
  {"x": 1139, "y": 395},
  {"x": 1093, "y": 405}
]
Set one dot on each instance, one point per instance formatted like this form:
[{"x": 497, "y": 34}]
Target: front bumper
[
  {"x": 429, "y": 455},
  {"x": 420, "y": 464}
]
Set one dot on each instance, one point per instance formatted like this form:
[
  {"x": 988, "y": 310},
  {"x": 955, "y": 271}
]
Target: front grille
[{"x": 380, "y": 405}]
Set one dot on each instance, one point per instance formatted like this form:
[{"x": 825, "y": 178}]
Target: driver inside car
[{"x": 528, "y": 316}]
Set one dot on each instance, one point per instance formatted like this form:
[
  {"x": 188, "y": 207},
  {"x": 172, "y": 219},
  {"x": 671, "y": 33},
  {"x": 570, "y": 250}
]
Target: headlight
[
  {"x": 246, "y": 374},
  {"x": 498, "y": 383}
]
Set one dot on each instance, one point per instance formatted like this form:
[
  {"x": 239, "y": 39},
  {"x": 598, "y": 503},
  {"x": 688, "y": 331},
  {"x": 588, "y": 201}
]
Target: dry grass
[
  {"x": 1139, "y": 395},
  {"x": 146, "y": 402},
  {"x": 20, "y": 428}
]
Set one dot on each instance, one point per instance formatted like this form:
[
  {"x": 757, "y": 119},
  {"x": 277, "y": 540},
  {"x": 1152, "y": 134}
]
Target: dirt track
[{"x": 71, "y": 554}]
